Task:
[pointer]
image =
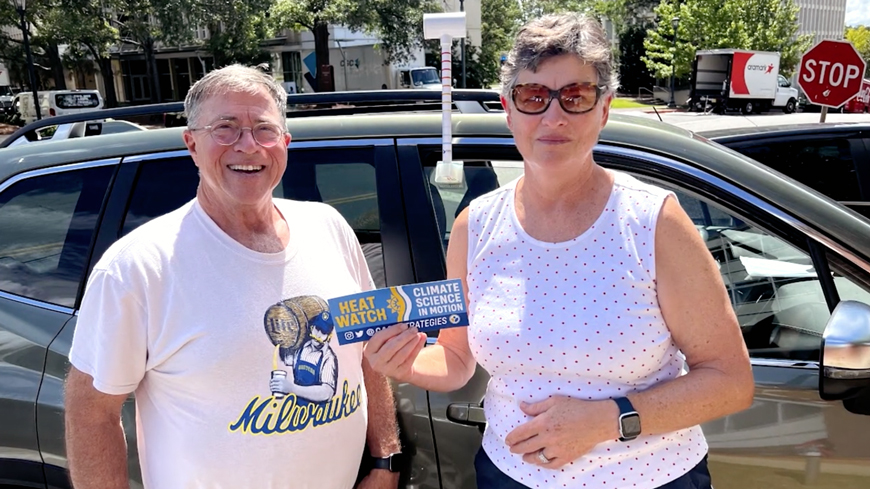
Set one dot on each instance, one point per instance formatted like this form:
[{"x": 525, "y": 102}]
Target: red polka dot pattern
[{"x": 580, "y": 319}]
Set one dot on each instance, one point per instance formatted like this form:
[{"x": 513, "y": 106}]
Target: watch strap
[
  {"x": 624, "y": 405},
  {"x": 390, "y": 462}
]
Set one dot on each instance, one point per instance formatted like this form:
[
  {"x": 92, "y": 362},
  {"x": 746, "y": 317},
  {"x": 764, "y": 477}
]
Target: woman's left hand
[{"x": 564, "y": 428}]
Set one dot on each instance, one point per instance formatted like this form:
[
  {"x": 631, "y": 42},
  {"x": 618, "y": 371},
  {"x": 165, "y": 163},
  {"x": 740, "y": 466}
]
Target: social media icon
[
  {"x": 348, "y": 335},
  {"x": 359, "y": 334},
  {"x": 370, "y": 332},
  {"x": 454, "y": 319}
]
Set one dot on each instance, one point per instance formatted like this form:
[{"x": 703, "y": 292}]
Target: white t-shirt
[{"x": 177, "y": 312}]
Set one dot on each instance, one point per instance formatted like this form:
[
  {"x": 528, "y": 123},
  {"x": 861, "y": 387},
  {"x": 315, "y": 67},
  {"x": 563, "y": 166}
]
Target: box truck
[
  {"x": 364, "y": 68},
  {"x": 737, "y": 79}
]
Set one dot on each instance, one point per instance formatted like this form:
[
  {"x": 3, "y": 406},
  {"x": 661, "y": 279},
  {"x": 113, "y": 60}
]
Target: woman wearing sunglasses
[{"x": 590, "y": 295}]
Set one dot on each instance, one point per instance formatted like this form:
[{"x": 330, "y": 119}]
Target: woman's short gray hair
[
  {"x": 233, "y": 78},
  {"x": 554, "y": 35}
]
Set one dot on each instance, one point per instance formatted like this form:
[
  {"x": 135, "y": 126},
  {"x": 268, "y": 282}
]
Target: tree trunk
[
  {"x": 56, "y": 67},
  {"x": 321, "y": 50},
  {"x": 108, "y": 82},
  {"x": 151, "y": 66}
]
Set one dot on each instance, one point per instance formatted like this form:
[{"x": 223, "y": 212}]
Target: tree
[
  {"x": 398, "y": 23},
  {"x": 763, "y": 25},
  {"x": 499, "y": 21},
  {"x": 83, "y": 26},
  {"x": 860, "y": 38}
]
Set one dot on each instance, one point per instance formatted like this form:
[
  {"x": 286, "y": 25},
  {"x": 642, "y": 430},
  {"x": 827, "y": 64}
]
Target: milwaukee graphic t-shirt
[{"x": 238, "y": 377}]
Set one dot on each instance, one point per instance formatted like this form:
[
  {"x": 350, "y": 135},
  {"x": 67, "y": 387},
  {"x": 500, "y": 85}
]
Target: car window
[
  {"x": 481, "y": 177},
  {"x": 344, "y": 179},
  {"x": 53, "y": 217},
  {"x": 826, "y": 165},
  {"x": 162, "y": 186},
  {"x": 773, "y": 286}
]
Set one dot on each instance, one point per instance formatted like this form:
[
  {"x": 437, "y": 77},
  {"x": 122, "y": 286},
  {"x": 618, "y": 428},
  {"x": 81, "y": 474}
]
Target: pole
[
  {"x": 824, "y": 114},
  {"x": 30, "y": 64},
  {"x": 462, "y": 46},
  {"x": 672, "y": 104}
]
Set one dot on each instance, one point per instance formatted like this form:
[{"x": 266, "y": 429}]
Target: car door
[
  {"x": 789, "y": 436},
  {"x": 48, "y": 219}
]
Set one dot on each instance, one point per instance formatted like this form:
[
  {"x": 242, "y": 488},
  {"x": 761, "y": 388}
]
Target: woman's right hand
[{"x": 392, "y": 351}]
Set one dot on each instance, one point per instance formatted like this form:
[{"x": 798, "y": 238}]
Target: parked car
[
  {"x": 57, "y": 102},
  {"x": 831, "y": 158},
  {"x": 72, "y": 130},
  {"x": 788, "y": 256}
]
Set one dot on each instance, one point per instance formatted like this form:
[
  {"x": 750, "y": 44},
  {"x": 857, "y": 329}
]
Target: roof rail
[{"x": 323, "y": 103}]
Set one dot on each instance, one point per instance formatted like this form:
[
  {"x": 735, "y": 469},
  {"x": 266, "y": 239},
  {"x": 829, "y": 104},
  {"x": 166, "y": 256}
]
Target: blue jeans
[{"x": 490, "y": 477}]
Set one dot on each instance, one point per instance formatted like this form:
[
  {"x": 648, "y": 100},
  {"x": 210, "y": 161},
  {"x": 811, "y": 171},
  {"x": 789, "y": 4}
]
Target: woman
[{"x": 589, "y": 293}]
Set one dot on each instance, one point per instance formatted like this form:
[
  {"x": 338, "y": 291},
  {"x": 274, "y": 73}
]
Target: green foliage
[
  {"x": 761, "y": 25},
  {"x": 398, "y": 23},
  {"x": 236, "y": 31},
  {"x": 860, "y": 38}
]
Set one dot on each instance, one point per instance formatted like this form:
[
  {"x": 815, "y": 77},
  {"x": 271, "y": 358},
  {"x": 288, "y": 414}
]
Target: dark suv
[
  {"x": 831, "y": 158},
  {"x": 788, "y": 255}
]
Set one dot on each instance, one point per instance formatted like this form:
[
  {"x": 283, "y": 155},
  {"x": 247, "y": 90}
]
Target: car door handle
[{"x": 466, "y": 413}]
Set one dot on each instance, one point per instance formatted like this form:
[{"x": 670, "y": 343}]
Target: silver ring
[{"x": 543, "y": 458}]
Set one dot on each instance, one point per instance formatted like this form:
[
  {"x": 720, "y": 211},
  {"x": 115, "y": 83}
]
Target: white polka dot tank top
[{"x": 578, "y": 318}]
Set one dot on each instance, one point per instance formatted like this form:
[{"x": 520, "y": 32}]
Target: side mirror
[{"x": 845, "y": 357}]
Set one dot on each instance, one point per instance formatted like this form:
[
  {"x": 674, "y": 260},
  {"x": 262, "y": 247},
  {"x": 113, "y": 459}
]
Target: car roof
[
  {"x": 648, "y": 135},
  {"x": 782, "y": 131}
]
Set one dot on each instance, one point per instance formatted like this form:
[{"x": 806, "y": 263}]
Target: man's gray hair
[
  {"x": 233, "y": 78},
  {"x": 554, "y": 35}
]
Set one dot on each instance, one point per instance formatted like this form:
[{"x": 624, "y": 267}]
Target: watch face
[{"x": 630, "y": 424}]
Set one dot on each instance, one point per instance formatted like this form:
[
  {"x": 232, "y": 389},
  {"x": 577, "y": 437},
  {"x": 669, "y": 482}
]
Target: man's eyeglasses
[
  {"x": 576, "y": 98},
  {"x": 226, "y": 133}
]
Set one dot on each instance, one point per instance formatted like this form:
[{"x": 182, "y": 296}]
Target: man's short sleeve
[{"x": 110, "y": 339}]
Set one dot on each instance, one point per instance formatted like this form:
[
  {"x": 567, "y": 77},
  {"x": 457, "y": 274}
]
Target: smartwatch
[
  {"x": 629, "y": 420},
  {"x": 393, "y": 462}
]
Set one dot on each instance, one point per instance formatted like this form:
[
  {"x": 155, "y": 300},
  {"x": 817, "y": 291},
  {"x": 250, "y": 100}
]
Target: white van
[{"x": 58, "y": 102}]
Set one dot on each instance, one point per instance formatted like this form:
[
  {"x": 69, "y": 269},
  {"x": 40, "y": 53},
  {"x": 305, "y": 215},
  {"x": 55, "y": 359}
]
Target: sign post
[{"x": 830, "y": 74}]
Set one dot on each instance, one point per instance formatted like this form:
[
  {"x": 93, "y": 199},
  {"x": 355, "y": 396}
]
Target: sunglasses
[
  {"x": 226, "y": 133},
  {"x": 576, "y": 98}
]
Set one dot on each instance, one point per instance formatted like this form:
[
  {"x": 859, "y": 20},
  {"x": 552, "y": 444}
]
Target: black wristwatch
[
  {"x": 393, "y": 462},
  {"x": 629, "y": 420}
]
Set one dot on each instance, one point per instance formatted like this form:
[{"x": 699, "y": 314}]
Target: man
[{"x": 173, "y": 313}]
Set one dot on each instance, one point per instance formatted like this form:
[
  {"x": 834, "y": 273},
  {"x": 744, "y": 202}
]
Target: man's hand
[{"x": 380, "y": 479}]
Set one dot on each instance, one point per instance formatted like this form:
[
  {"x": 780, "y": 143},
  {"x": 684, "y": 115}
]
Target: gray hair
[
  {"x": 233, "y": 78},
  {"x": 554, "y": 35}
]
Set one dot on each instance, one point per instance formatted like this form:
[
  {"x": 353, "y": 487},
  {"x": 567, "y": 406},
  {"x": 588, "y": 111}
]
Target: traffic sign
[{"x": 830, "y": 73}]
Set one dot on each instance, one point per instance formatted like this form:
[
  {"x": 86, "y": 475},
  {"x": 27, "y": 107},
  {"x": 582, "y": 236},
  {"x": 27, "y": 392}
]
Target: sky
[{"x": 858, "y": 12}]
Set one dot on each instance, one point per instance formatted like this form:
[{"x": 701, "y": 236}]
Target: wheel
[
  {"x": 790, "y": 106},
  {"x": 747, "y": 108}
]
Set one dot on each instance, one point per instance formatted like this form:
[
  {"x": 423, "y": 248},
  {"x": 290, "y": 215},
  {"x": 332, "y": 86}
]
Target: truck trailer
[{"x": 737, "y": 79}]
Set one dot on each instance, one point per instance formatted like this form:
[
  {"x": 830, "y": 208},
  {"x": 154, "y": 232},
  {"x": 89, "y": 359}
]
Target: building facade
[{"x": 823, "y": 19}]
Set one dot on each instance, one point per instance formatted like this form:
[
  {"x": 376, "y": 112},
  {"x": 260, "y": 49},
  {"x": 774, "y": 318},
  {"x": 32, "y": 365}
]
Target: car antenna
[{"x": 657, "y": 113}]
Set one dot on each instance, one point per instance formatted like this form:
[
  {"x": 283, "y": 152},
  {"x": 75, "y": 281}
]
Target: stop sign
[{"x": 830, "y": 73}]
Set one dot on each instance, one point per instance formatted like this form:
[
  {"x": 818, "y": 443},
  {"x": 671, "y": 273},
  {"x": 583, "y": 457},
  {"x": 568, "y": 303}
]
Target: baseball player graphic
[{"x": 313, "y": 368}]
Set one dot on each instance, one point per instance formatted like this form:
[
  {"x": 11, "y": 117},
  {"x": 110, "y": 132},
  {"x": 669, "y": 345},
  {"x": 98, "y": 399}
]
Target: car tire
[
  {"x": 790, "y": 106},
  {"x": 747, "y": 108}
]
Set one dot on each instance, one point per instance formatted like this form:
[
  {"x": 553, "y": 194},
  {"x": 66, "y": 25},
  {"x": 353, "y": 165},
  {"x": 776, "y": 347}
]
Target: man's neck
[{"x": 261, "y": 228}]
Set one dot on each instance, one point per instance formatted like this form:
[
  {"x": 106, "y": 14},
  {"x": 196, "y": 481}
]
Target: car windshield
[{"x": 425, "y": 77}]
